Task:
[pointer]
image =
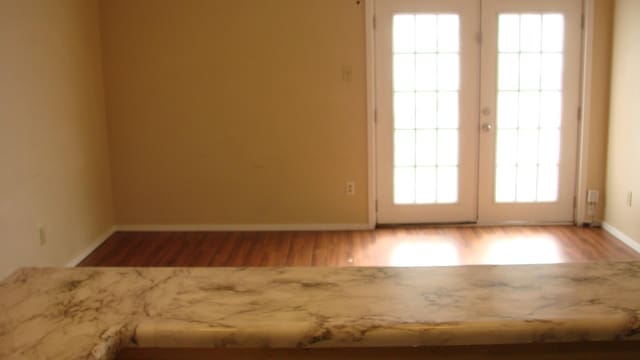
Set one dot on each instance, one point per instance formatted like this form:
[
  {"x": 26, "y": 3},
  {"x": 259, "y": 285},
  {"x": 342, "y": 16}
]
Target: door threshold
[
  {"x": 442, "y": 224},
  {"x": 475, "y": 224}
]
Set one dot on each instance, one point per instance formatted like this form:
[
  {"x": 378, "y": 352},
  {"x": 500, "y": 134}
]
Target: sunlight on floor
[
  {"x": 507, "y": 250},
  {"x": 424, "y": 254},
  {"x": 520, "y": 250}
]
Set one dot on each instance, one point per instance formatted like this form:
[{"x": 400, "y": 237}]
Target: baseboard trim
[
  {"x": 245, "y": 227},
  {"x": 622, "y": 236},
  {"x": 89, "y": 249}
]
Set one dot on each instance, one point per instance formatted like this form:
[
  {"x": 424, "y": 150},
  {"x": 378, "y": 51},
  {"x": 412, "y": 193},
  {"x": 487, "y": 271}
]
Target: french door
[{"x": 476, "y": 107}]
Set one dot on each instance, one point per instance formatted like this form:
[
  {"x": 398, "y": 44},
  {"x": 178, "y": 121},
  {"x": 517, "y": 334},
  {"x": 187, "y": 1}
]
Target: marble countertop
[{"x": 93, "y": 312}]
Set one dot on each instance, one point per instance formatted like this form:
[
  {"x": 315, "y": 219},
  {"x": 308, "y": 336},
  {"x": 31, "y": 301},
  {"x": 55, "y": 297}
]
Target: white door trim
[
  {"x": 369, "y": 24},
  {"x": 582, "y": 170}
]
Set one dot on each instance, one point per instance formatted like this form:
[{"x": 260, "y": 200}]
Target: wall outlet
[
  {"x": 629, "y": 199},
  {"x": 42, "y": 235},
  {"x": 350, "y": 188}
]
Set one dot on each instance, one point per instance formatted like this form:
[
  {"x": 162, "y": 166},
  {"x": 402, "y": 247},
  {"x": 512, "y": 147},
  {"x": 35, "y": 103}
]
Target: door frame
[{"x": 585, "y": 120}]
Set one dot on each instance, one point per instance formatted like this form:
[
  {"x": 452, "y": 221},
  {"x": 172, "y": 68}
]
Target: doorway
[{"x": 476, "y": 110}]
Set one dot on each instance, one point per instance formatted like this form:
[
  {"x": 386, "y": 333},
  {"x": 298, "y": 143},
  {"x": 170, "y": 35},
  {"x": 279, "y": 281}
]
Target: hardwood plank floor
[{"x": 397, "y": 246}]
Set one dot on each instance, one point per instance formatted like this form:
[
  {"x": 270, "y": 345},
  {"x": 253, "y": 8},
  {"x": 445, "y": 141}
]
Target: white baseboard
[
  {"x": 245, "y": 227},
  {"x": 622, "y": 236},
  {"x": 89, "y": 249}
]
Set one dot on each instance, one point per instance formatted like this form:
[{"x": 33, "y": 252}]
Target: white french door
[
  {"x": 476, "y": 110},
  {"x": 529, "y": 96},
  {"x": 427, "y": 68}
]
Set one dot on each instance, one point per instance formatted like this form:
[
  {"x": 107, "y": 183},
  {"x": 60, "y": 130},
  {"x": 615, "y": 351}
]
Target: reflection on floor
[
  {"x": 500, "y": 250},
  {"x": 399, "y": 246}
]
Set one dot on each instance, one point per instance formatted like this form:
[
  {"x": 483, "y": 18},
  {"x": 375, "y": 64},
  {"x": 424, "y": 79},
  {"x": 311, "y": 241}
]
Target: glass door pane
[
  {"x": 529, "y": 107},
  {"x": 426, "y": 84}
]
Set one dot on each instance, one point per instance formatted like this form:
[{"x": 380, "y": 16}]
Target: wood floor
[{"x": 401, "y": 246}]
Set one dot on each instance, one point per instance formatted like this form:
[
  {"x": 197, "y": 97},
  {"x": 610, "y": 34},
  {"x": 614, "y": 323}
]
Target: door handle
[{"x": 486, "y": 127}]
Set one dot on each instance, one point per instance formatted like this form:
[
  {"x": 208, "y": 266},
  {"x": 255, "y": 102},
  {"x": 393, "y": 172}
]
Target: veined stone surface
[{"x": 94, "y": 312}]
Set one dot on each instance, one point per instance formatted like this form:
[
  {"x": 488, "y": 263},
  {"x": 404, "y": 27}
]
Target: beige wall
[
  {"x": 623, "y": 173},
  {"x": 53, "y": 147},
  {"x": 236, "y": 112}
]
